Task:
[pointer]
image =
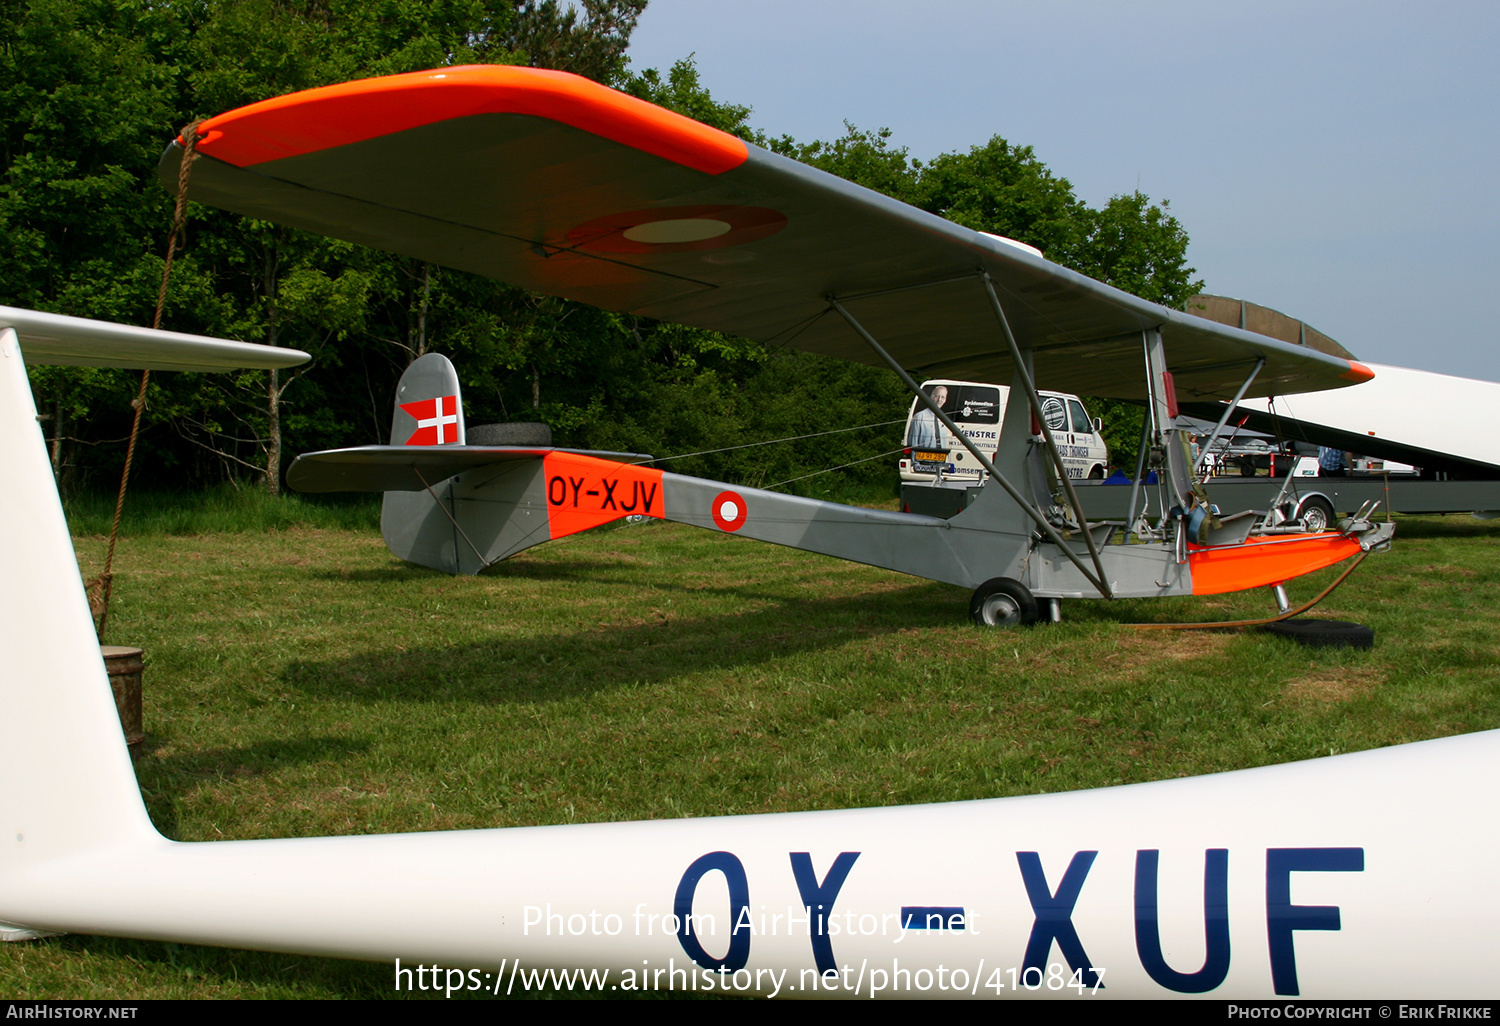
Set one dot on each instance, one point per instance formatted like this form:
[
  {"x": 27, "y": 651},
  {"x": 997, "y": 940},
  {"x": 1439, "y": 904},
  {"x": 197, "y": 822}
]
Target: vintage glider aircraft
[
  {"x": 553, "y": 182},
  {"x": 1356, "y": 876}
]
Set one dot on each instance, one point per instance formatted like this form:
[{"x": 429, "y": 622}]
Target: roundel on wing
[
  {"x": 729, "y": 511},
  {"x": 676, "y": 229}
]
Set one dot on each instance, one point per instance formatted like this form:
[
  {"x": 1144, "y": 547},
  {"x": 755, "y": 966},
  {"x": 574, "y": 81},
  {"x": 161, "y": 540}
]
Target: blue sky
[{"x": 1335, "y": 161}]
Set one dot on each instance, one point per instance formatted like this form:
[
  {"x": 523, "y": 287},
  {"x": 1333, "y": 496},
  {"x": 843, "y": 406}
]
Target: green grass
[
  {"x": 221, "y": 509},
  {"x": 301, "y": 681}
]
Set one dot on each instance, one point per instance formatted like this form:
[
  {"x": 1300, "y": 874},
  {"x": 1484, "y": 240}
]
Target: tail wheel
[
  {"x": 1003, "y": 602},
  {"x": 515, "y": 433},
  {"x": 1316, "y": 515}
]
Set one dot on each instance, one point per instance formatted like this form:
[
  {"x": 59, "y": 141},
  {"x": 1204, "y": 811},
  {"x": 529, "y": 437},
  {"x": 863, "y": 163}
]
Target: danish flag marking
[{"x": 437, "y": 420}]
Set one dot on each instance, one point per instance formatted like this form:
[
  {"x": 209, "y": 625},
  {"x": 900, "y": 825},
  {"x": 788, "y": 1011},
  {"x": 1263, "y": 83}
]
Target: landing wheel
[{"x": 1003, "y": 602}]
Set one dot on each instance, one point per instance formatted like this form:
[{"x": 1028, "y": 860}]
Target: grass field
[{"x": 302, "y": 681}]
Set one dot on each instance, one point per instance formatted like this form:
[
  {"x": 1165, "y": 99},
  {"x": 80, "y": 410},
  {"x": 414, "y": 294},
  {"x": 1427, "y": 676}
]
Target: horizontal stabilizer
[{"x": 402, "y": 468}]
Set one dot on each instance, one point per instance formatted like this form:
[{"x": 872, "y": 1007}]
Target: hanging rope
[{"x": 100, "y": 587}]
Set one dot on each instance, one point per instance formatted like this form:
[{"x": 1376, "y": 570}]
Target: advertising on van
[{"x": 932, "y": 454}]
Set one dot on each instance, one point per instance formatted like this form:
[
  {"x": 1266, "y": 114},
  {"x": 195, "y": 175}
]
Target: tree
[
  {"x": 93, "y": 88},
  {"x": 997, "y": 187},
  {"x": 587, "y": 37},
  {"x": 1005, "y": 190},
  {"x": 296, "y": 288},
  {"x": 84, "y": 98},
  {"x": 1130, "y": 243},
  {"x": 863, "y": 157},
  {"x": 1138, "y": 246},
  {"x": 682, "y": 91}
]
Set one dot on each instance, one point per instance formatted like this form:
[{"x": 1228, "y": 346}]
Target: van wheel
[
  {"x": 1316, "y": 514},
  {"x": 1003, "y": 602},
  {"x": 1097, "y": 474}
]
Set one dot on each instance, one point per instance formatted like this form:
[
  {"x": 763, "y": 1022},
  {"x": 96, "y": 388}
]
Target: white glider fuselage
[{"x": 1355, "y": 876}]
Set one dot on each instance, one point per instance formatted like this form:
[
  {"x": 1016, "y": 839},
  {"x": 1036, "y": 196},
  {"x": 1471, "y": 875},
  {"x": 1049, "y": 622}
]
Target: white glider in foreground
[{"x": 1357, "y": 876}]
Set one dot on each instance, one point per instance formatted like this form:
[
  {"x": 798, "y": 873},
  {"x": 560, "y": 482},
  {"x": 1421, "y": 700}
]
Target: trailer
[
  {"x": 1317, "y": 501},
  {"x": 1400, "y": 454}
]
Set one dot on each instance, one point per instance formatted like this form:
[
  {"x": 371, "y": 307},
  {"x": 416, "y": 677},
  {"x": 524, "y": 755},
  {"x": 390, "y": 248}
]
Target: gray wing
[{"x": 558, "y": 184}]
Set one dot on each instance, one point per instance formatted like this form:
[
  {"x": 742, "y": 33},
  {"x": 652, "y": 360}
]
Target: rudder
[{"x": 429, "y": 410}]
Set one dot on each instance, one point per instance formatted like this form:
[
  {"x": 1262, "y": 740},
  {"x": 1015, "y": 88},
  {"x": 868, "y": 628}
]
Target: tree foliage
[
  {"x": 92, "y": 89},
  {"x": 587, "y": 37},
  {"x": 1131, "y": 243}
]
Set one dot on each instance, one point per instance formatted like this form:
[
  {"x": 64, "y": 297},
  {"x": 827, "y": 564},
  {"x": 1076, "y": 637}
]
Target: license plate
[{"x": 930, "y": 457}]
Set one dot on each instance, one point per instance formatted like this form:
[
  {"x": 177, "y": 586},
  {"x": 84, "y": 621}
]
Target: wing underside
[{"x": 560, "y": 185}]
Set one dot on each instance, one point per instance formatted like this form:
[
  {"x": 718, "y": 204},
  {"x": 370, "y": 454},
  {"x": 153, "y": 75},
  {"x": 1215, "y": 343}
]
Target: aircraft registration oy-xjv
[{"x": 1353, "y": 876}]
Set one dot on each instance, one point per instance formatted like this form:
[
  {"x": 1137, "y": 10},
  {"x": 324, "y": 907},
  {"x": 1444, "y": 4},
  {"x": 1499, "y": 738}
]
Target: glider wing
[
  {"x": 48, "y": 338},
  {"x": 558, "y": 184}
]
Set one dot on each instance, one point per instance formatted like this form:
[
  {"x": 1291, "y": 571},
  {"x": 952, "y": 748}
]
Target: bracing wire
[
  {"x": 829, "y": 470},
  {"x": 774, "y": 441}
]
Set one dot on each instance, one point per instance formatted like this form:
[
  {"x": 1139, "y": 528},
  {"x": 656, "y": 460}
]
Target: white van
[{"x": 933, "y": 455}]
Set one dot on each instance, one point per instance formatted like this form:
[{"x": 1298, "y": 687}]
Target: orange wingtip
[
  {"x": 1358, "y": 372},
  {"x": 320, "y": 119}
]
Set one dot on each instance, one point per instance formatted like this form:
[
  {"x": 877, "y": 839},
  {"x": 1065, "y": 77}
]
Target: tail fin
[
  {"x": 66, "y": 783},
  {"x": 429, "y": 406},
  {"x": 429, "y": 410},
  {"x": 478, "y": 516}
]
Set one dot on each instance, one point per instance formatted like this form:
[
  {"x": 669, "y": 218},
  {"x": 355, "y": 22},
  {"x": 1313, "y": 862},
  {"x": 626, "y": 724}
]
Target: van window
[
  {"x": 1081, "y": 423},
  {"x": 974, "y": 404},
  {"x": 966, "y": 404}
]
